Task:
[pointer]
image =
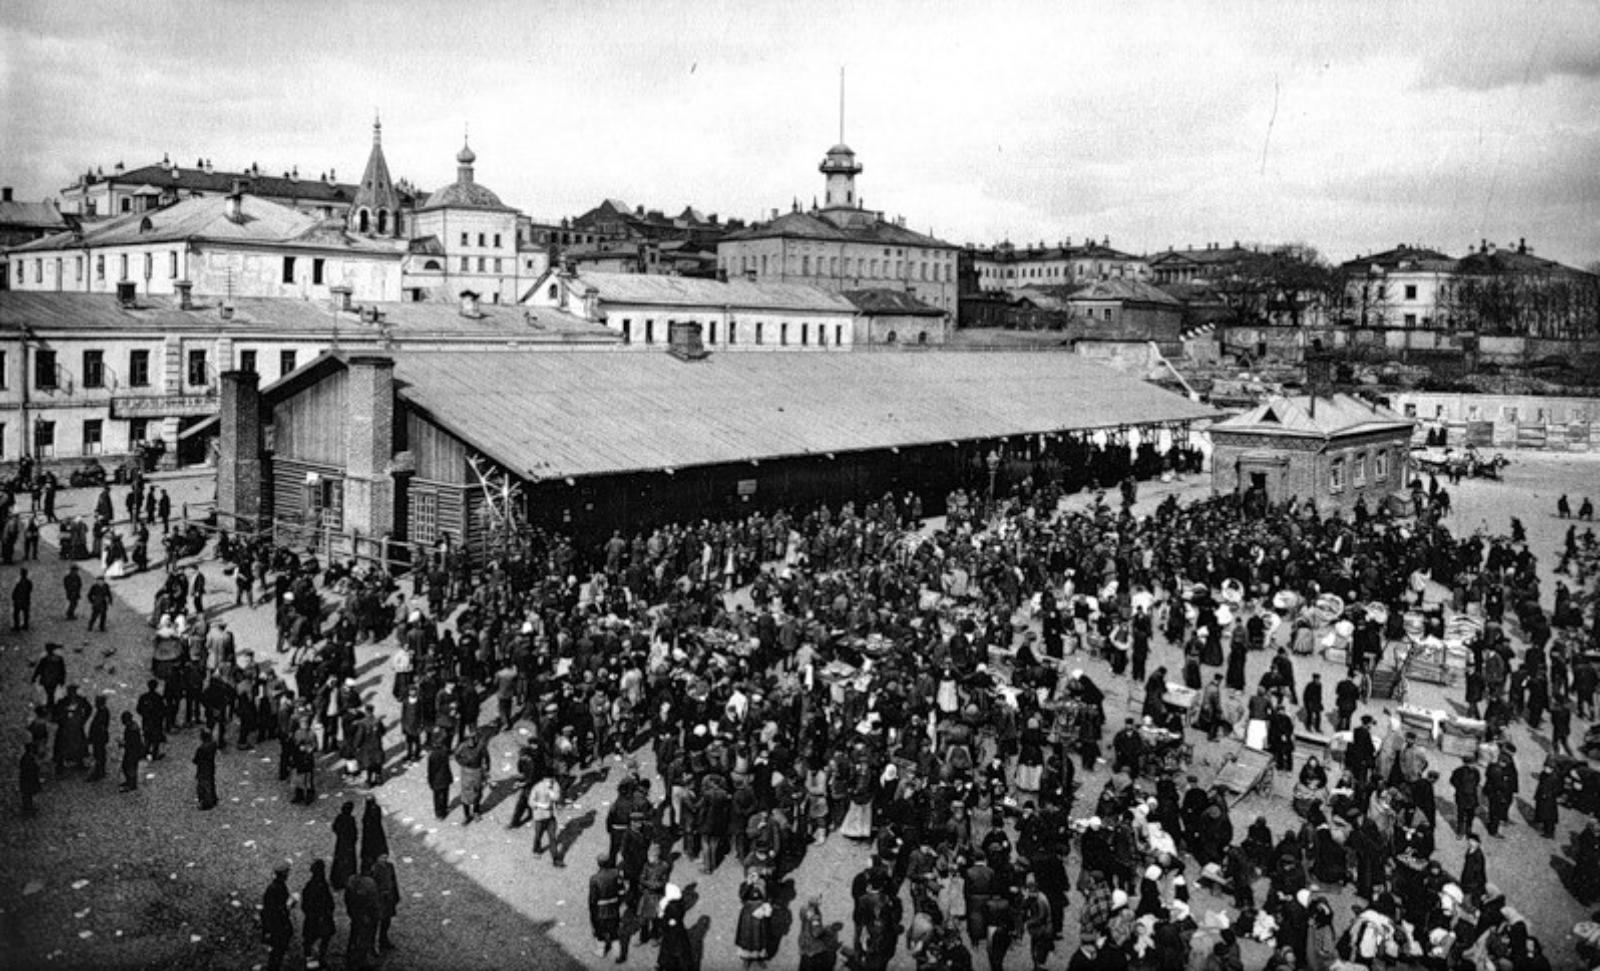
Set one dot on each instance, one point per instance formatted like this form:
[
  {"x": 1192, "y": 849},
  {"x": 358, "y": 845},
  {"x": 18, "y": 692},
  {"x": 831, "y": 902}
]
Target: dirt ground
[{"x": 146, "y": 880}]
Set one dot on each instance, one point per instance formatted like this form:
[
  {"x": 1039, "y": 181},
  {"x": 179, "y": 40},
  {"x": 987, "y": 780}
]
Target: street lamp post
[{"x": 993, "y": 462}]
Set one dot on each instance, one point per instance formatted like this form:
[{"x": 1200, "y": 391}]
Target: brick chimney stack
[
  {"x": 369, "y": 500},
  {"x": 239, "y": 462}
]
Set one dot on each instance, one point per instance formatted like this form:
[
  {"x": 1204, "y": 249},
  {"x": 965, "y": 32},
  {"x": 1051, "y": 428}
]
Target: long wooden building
[{"x": 390, "y": 446}]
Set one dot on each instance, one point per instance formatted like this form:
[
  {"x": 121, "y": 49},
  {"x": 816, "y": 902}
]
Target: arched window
[
  {"x": 553, "y": 292},
  {"x": 891, "y": 338},
  {"x": 922, "y": 337},
  {"x": 432, "y": 265},
  {"x": 361, "y": 221},
  {"x": 383, "y": 221}
]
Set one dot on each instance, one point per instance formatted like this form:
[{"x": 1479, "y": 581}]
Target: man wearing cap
[
  {"x": 277, "y": 926},
  {"x": 1465, "y": 780},
  {"x": 1361, "y": 755}
]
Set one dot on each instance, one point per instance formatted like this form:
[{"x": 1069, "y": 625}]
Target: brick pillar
[
  {"x": 369, "y": 449},
  {"x": 239, "y": 462}
]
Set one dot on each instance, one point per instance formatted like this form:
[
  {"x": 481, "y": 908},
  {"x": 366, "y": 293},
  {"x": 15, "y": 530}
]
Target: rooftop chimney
[
  {"x": 185, "y": 291},
  {"x": 208, "y": 167},
  {"x": 1522, "y": 241},
  {"x": 127, "y": 293},
  {"x": 343, "y": 293},
  {"x": 683, "y": 341},
  {"x": 235, "y": 203},
  {"x": 5, "y": 194}
]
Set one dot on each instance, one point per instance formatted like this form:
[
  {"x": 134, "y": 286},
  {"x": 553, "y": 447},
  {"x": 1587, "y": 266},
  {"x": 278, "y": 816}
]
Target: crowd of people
[{"x": 850, "y": 674}]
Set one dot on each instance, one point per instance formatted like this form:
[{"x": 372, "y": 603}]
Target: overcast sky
[{"x": 1350, "y": 126}]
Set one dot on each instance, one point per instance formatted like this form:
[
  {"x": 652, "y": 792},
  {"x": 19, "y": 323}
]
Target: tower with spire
[
  {"x": 840, "y": 168},
  {"x": 375, "y": 210}
]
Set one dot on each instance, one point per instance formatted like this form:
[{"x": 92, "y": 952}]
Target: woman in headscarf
[
  {"x": 677, "y": 950},
  {"x": 819, "y": 941},
  {"x": 752, "y": 937},
  {"x": 1312, "y": 788}
]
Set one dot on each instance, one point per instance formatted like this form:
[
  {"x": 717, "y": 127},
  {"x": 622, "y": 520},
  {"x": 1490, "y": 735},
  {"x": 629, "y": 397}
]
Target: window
[
  {"x": 149, "y": 265},
  {"x": 711, "y": 332},
  {"x": 759, "y": 327},
  {"x": 78, "y": 269},
  {"x": 93, "y": 436},
  {"x": 44, "y": 439},
  {"x": 127, "y": 204},
  {"x": 1359, "y": 476},
  {"x": 197, "y": 368},
  {"x": 627, "y": 331},
  {"x": 1411, "y": 291},
  {"x": 783, "y": 334},
  {"x": 482, "y": 264},
  {"x": 649, "y": 332},
  {"x": 44, "y": 370},
  {"x": 5, "y": 372},
  {"x": 247, "y": 361},
  {"x": 172, "y": 264},
  {"x": 805, "y": 266},
  {"x": 325, "y": 502},
  {"x": 285, "y": 362},
  {"x": 465, "y": 240},
  {"x": 822, "y": 336},
  {"x": 733, "y": 332},
  {"x": 99, "y": 267},
  {"x": 1336, "y": 475},
  {"x": 138, "y": 430},
  {"x": 288, "y": 269},
  {"x": 1411, "y": 410},
  {"x": 94, "y": 369},
  {"x": 2, "y": 439},
  {"x": 497, "y": 264},
  {"x": 466, "y": 263},
  {"x": 838, "y": 333},
  {"x": 1108, "y": 313},
  {"x": 1411, "y": 321},
  {"x": 553, "y": 292},
  {"x": 425, "y": 517},
  {"x": 139, "y": 369},
  {"x": 1508, "y": 413},
  {"x": 1380, "y": 465},
  {"x": 805, "y": 334},
  {"x": 316, "y": 270},
  {"x": 480, "y": 240},
  {"x": 496, "y": 240}
]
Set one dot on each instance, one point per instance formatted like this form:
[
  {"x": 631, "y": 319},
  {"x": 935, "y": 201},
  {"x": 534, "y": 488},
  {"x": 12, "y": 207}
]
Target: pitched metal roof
[
  {"x": 861, "y": 226},
  {"x": 32, "y": 215},
  {"x": 72, "y": 314},
  {"x": 199, "y": 180},
  {"x": 206, "y": 218},
  {"x": 682, "y": 291},
  {"x": 1335, "y": 415},
  {"x": 882, "y": 300},
  {"x": 555, "y": 415}
]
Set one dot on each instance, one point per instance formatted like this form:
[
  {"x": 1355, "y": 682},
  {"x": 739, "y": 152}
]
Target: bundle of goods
[
  {"x": 1232, "y": 591},
  {"x": 1328, "y": 608},
  {"x": 1460, "y": 737},
  {"x": 1422, "y": 719},
  {"x": 1335, "y": 641},
  {"x": 1428, "y": 660}
]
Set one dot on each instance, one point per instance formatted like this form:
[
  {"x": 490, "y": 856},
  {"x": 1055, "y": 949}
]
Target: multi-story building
[
  {"x": 843, "y": 245},
  {"x": 734, "y": 315},
  {"x": 90, "y": 376},
  {"x": 1211, "y": 263},
  {"x": 1405, "y": 287},
  {"x": 232, "y": 245},
  {"x": 1006, "y": 266},
  {"x": 22, "y": 222}
]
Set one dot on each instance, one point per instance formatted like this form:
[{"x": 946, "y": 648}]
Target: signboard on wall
[
  {"x": 747, "y": 487},
  {"x": 164, "y": 406}
]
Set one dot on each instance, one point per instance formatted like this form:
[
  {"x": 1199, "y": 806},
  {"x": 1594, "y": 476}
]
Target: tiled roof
[
  {"x": 882, "y": 300},
  {"x": 744, "y": 407},
  {"x": 261, "y": 220},
  {"x": 865, "y": 227},
  {"x": 31, "y": 215},
  {"x": 1335, "y": 415},
  {"x": 682, "y": 291},
  {"x": 50, "y": 312}
]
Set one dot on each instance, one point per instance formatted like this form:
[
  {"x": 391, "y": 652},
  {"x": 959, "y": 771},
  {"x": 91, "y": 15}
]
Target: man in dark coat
[
  {"x": 1311, "y": 703},
  {"x": 440, "y": 777},
  {"x": 277, "y": 926},
  {"x": 364, "y": 906},
  {"x": 1499, "y": 789},
  {"x": 99, "y": 602},
  {"x": 152, "y": 709},
  {"x": 50, "y": 672},
  {"x": 1465, "y": 780},
  {"x": 132, "y": 752},
  {"x": 21, "y": 602},
  {"x": 1361, "y": 756},
  {"x": 388, "y": 897},
  {"x": 99, "y": 737},
  {"x": 72, "y": 587},
  {"x": 205, "y": 771},
  {"x": 71, "y": 716}
]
